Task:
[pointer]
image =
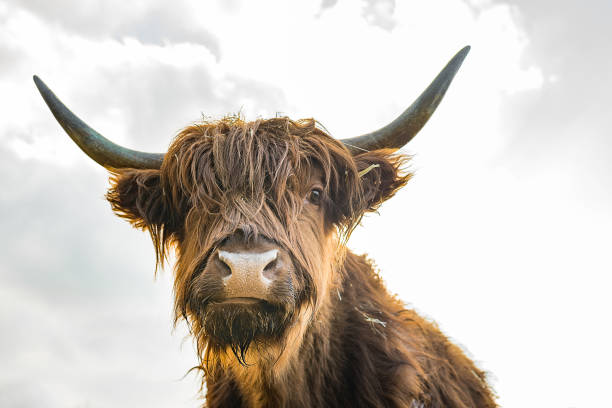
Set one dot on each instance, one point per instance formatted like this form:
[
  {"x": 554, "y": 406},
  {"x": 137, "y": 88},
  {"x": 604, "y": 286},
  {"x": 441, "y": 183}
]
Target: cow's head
[{"x": 258, "y": 213}]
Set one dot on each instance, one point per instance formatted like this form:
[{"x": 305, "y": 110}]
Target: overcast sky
[{"x": 503, "y": 236}]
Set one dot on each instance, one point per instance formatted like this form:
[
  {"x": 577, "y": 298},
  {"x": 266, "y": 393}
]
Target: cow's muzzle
[{"x": 251, "y": 270}]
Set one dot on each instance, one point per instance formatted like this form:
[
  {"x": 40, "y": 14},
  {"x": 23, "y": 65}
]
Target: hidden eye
[{"x": 315, "y": 196}]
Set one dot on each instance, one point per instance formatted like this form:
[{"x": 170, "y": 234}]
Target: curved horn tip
[
  {"x": 37, "y": 81},
  {"x": 401, "y": 130},
  {"x": 460, "y": 56}
]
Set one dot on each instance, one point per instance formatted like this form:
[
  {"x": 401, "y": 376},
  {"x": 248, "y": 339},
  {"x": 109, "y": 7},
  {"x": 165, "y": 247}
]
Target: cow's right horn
[
  {"x": 96, "y": 146},
  {"x": 399, "y": 132}
]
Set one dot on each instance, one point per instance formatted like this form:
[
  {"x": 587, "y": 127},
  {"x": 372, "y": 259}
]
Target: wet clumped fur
[{"x": 332, "y": 335}]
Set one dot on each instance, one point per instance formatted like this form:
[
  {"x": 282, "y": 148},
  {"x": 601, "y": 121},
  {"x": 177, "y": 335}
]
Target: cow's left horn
[
  {"x": 96, "y": 146},
  {"x": 399, "y": 132}
]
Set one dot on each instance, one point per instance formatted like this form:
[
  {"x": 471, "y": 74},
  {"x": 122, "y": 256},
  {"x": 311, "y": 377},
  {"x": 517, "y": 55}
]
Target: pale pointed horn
[
  {"x": 96, "y": 146},
  {"x": 399, "y": 132}
]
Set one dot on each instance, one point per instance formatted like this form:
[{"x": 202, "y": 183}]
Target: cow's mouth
[
  {"x": 238, "y": 322},
  {"x": 242, "y": 300}
]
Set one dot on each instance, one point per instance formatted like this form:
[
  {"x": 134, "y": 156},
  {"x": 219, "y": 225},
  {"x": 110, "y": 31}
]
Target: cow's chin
[{"x": 240, "y": 323}]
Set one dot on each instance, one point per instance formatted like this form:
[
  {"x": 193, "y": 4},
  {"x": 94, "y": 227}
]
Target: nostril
[
  {"x": 224, "y": 268},
  {"x": 269, "y": 272},
  {"x": 270, "y": 266}
]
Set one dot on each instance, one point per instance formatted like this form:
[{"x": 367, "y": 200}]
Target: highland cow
[{"x": 282, "y": 313}]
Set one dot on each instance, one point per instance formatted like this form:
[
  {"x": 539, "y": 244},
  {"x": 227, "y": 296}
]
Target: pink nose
[{"x": 250, "y": 273}]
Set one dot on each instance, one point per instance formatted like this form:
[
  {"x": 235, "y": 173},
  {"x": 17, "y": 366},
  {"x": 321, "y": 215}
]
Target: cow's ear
[
  {"x": 381, "y": 174},
  {"x": 138, "y": 196}
]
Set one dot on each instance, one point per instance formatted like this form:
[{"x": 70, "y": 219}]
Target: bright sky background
[{"x": 502, "y": 237}]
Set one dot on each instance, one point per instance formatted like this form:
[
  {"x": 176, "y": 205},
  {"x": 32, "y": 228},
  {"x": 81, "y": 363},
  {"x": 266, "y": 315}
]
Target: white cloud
[{"x": 380, "y": 13}]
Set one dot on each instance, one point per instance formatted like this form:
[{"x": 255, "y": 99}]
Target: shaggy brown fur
[{"x": 336, "y": 337}]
